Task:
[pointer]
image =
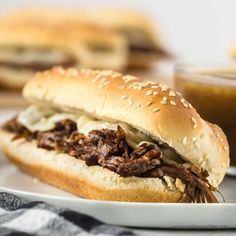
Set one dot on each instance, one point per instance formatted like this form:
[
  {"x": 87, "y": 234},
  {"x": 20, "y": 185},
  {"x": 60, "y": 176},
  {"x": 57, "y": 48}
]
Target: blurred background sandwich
[
  {"x": 30, "y": 46},
  {"x": 144, "y": 42}
]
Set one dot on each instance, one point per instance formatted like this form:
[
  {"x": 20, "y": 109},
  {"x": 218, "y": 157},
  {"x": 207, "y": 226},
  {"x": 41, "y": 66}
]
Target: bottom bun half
[{"x": 92, "y": 182}]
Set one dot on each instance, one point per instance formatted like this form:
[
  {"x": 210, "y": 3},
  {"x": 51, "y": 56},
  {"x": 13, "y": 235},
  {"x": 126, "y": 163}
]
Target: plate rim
[{"x": 115, "y": 203}]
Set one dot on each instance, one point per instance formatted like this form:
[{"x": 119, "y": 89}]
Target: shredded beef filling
[{"x": 109, "y": 149}]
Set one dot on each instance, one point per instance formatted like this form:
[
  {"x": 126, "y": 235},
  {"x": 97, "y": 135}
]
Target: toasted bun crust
[
  {"x": 93, "y": 182},
  {"x": 154, "y": 109}
]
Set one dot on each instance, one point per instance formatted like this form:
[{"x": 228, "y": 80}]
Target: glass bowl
[{"x": 211, "y": 89}]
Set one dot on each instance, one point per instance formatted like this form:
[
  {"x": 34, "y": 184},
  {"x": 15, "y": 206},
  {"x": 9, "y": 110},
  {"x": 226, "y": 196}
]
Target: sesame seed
[
  {"x": 130, "y": 103},
  {"x": 106, "y": 73},
  {"x": 194, "y": 139},
  {"x": 145, "y": 84},
  {"x": 221, "y": 139},
  {"x": 156, "y": 109},
  {"x": 155, "y": 93},
  {"x": 185, "y": 104},
  {"x": 195, "y": 126},
  {"x": 225, "y": 148},
  {"x": 152, "y": 82},
  {"x": 154, "y": 86},
  {"x": 140, "y": 88},
  {"x": 131, "y": 86},
  {"x": 82, "y": 71},
  {"x": 115, "y": 75},
  {"x": 124, "y": 97},
  {"x": 182, "y": 100},
  {"x": 59, "y": 70},
  {"x": 185, "y": 140},
  {"x": 149, "y": 92},
  {"x": 172, "y": 94},
  {"x": 100, "y": 86},
  {"x": 121, "y": 87},
  {"x": 173, "y": 103},
  {"x": 128, "y": 78},
  {"x": 165, "y": 99},
  {"x": 207, "y": 155},
  {"x": 196, "y": 144},
  {"x": 178, "y": 93},
  {"x": 72, "y": 72},
  {"x": 218, "y": 135},
  {"x": 106, "y": 83},
  {"x": 136, "y": 106},
  {"x": 163, "y": 102},
  {"x": 164, "y": 87},
  {"x": 149, "y": 103},
  {"x": 136, "y": 83},
  {"x": 193, "y": 120},
  {"x": 189, "y": 105},
  {"x": 97, "y": 77},
  {"x": 87, "y": 73},
  {"x": 103, "y": 80}
]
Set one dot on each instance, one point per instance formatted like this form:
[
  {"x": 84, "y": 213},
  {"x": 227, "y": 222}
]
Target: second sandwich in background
[
  {"x": 145, "y": 44},
  {"x": 30, "y": 46}
]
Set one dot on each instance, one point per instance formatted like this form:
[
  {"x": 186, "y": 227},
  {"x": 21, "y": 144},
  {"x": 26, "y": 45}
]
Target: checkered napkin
[{"x": 19, "y": 217}]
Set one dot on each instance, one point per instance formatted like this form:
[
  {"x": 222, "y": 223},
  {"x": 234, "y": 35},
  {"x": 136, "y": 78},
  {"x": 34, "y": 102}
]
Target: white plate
[{"x": 155, "y": 215}]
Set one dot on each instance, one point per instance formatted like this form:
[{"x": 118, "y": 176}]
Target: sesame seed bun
[{"x": 152, "y": 108}]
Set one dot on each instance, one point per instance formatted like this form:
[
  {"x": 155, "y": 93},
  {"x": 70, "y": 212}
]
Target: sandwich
[
  {"x": 30, "y": 47},
  {"x": 145, "y": 45},
  {"x": 107, "y": 136}
]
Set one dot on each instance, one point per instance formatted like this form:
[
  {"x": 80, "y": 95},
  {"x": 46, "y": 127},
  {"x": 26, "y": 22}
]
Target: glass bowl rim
[{"x": 192, "y": 72}]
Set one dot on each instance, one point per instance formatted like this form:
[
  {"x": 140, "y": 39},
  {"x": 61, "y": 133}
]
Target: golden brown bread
[
  {"x": 150, "y": 107},
  {"x": 92, "y": 182}
]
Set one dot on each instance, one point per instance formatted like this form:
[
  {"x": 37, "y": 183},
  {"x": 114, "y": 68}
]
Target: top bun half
[{"x": 152, "y": 108}]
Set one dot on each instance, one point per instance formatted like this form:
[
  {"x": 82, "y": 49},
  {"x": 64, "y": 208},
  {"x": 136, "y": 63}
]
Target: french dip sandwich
[
  {"x": 30, "y": 47},
  {"x": 145, "y": 45},
  {"x": 107, "y": 136}
]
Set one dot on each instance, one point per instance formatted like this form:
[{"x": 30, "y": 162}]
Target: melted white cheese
[{"x": 37, "y": 118}]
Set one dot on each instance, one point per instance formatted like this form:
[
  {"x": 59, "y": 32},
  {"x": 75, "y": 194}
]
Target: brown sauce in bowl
[{"x": 213, "y": 93}]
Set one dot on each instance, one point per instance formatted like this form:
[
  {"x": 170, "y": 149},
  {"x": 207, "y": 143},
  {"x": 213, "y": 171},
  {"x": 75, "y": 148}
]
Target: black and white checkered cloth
[{"x": 19, "y": 217}]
